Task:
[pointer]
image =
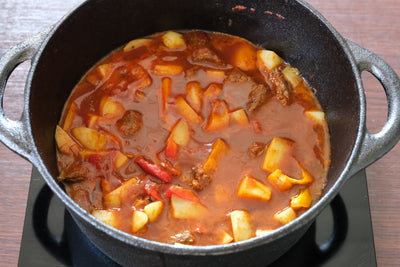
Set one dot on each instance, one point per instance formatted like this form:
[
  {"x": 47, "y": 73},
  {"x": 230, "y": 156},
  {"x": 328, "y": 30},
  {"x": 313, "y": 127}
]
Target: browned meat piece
[
  {"x": 257, "y": 97},
  {"x": 256, "y": 149},
  {"x": 200, "y": 179},
  {"x": 200, "y": 50},
  {"x": 130, "y": 123},
  {"x": 238, "y": 76},
  {"x": 185, "y": 237},
  {"x": 280, "y": 87},
  {"x": 73, "y": 173}
]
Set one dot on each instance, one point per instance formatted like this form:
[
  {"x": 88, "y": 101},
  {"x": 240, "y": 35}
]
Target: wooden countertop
[{"x": 374, "y": 24}]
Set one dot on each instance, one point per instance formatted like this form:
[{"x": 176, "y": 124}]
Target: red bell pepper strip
[
  {"x": 153, "y": 169},
  {"x": 151, "y": 191},
  {"x": 171, "y": 151},
  {"x": 182, "y": 193}
]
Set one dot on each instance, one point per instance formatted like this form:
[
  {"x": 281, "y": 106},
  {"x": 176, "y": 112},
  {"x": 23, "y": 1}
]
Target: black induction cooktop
[{"x": 341, "y": 235}]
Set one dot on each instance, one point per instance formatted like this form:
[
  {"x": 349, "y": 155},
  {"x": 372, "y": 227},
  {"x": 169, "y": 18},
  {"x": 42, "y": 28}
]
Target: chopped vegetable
[
  {"x": 262, "y": 232},
  {"x": 316, "y": 115},
  {"x": 292, "y": 76},
  {"x": 153, "y": 210},
  {"x": 107, "y": 216},
  {"x": 151, "y": 191},
  {"x": 89, "y": 138},
  {"x": 276, "y": 152},
  {"x": 70, "y": 117},
  {"x": 186, "y": 209},
  {"x": 111, "y": 108},
  {"x": 240, "y": 117},
  {"x": 245, "y": 57},
  {"x": 171, "y": 151},
  {"x": 173, "y": 39},
  {"x": 119, "y": 159},
  {"x": 187, "y": 111},
  {"x": 251, "y": 188},
  {"x": 167, "y": 70},
  {"x": 65, "y": 143},
  {"x": 194, "y": 95},
  {"x": 225, "y": 237},
  {"x": 219, "y": 148},
  {"x": 302, "y": 200},
  {"x": 241, "y": 226},
  {"x": 269, "y": 59},
  {"x": 113, "y": 198},
  {"x": 165, "y": 93},
  {"x": 182, "y": 193},
  {"x": 180, "y": 133},
  {"x": 219, "y": 117},
  {"x": 281, "y": 181},
  {"x": 139, "y": 220},
  {"x": 153, "y": 169},
  {"x": 135, "y": 44},
  {"x": 285, "y": 216}
]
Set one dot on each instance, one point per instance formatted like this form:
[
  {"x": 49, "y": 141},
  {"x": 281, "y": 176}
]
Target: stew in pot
[{"x": 193, "y": 138}]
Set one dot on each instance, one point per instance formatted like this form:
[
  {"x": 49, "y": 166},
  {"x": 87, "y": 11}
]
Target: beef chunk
[
  {"x": 184, "y": 237},
  {"x": 257, "y": 97},
  {"x": 130, "y": 123},
  {"x": 73, "y": 173},
  {"x": 200, "y": 50},
  {"x": 238, "y": 76},
  {"x": 200, "y": 179},
  {"x": 280, "y": 87}
]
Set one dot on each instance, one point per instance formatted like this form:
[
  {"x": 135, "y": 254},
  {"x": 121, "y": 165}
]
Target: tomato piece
[
  {"x": 171, "y": 151},
  {"x": 153, "y": 169},
  {"x": 182, "y": 193},
  {"x": 151, "y": 191}
]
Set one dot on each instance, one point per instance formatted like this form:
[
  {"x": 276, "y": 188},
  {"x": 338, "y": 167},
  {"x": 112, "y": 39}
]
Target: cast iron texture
[{"x": 292, "y": 28}]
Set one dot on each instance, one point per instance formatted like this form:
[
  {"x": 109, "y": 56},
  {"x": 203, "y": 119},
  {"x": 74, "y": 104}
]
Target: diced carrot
[
  {"x": 165, "y": 93},
  {"x": 187, "y": 111}
]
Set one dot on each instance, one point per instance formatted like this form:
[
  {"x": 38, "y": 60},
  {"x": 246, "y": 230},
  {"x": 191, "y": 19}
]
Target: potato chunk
[
  {"x": 119, "y": 159},
  {"x": 173, "y": 40},
  {"x": 187, "y": 111},
  {"x": 292, "y": 76},
  {"x": 240, "y": 117},
  {"x": 285, "y": 216},
  {"x": 65, "y": 143},
  {"x": 70, "y": 117},
  {"x": 262, "y": 232},
  {"x": 219, "y": 148},
  {"x": 89, "y": 138},
  {"x": 107, "y": 216},
  {"x": 186, "y": 209},
  {"x": 135, "y": 44},
  {"x": 302, "y": 200},
  {"x": 269, "y": 59},
  {"x": 194, "y": 95},
  {"x": 316, "y": 115},
  {"x": 111, "y": 108},
  {"x": 241, "y": 226},
  {"x": 225, "y": 237},
  {"x": 167, "y": 70},
  {"x": 113, "y": 198},
  {"x": 139, "y": 220},
  {"x": 180, "y": 133},
  {"x": 276, "y": 152},
  {"x": 153, "y": 210},
  {"x": 251, "y": 188}
]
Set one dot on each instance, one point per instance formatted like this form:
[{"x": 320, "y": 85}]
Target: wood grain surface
[{"x": 374, "y": 24}]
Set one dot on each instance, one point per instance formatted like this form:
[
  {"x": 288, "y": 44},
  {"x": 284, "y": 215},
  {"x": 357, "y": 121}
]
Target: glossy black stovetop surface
[{"x": 341, "y": 236}]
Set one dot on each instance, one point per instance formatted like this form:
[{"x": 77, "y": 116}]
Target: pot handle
[
  {"x": 376, "y": 145},
  {"x": 14, "y": 134}
]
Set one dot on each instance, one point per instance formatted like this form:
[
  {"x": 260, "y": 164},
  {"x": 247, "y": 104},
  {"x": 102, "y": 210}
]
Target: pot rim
[{"x": 299, "y": 222}]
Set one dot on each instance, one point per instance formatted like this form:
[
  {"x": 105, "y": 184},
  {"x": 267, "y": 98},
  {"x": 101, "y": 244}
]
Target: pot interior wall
[{"x": 98, "y": 27}]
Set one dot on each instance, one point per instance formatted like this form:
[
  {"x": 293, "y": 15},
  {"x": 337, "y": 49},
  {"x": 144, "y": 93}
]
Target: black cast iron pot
[{"x": 297, "y": 32}]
